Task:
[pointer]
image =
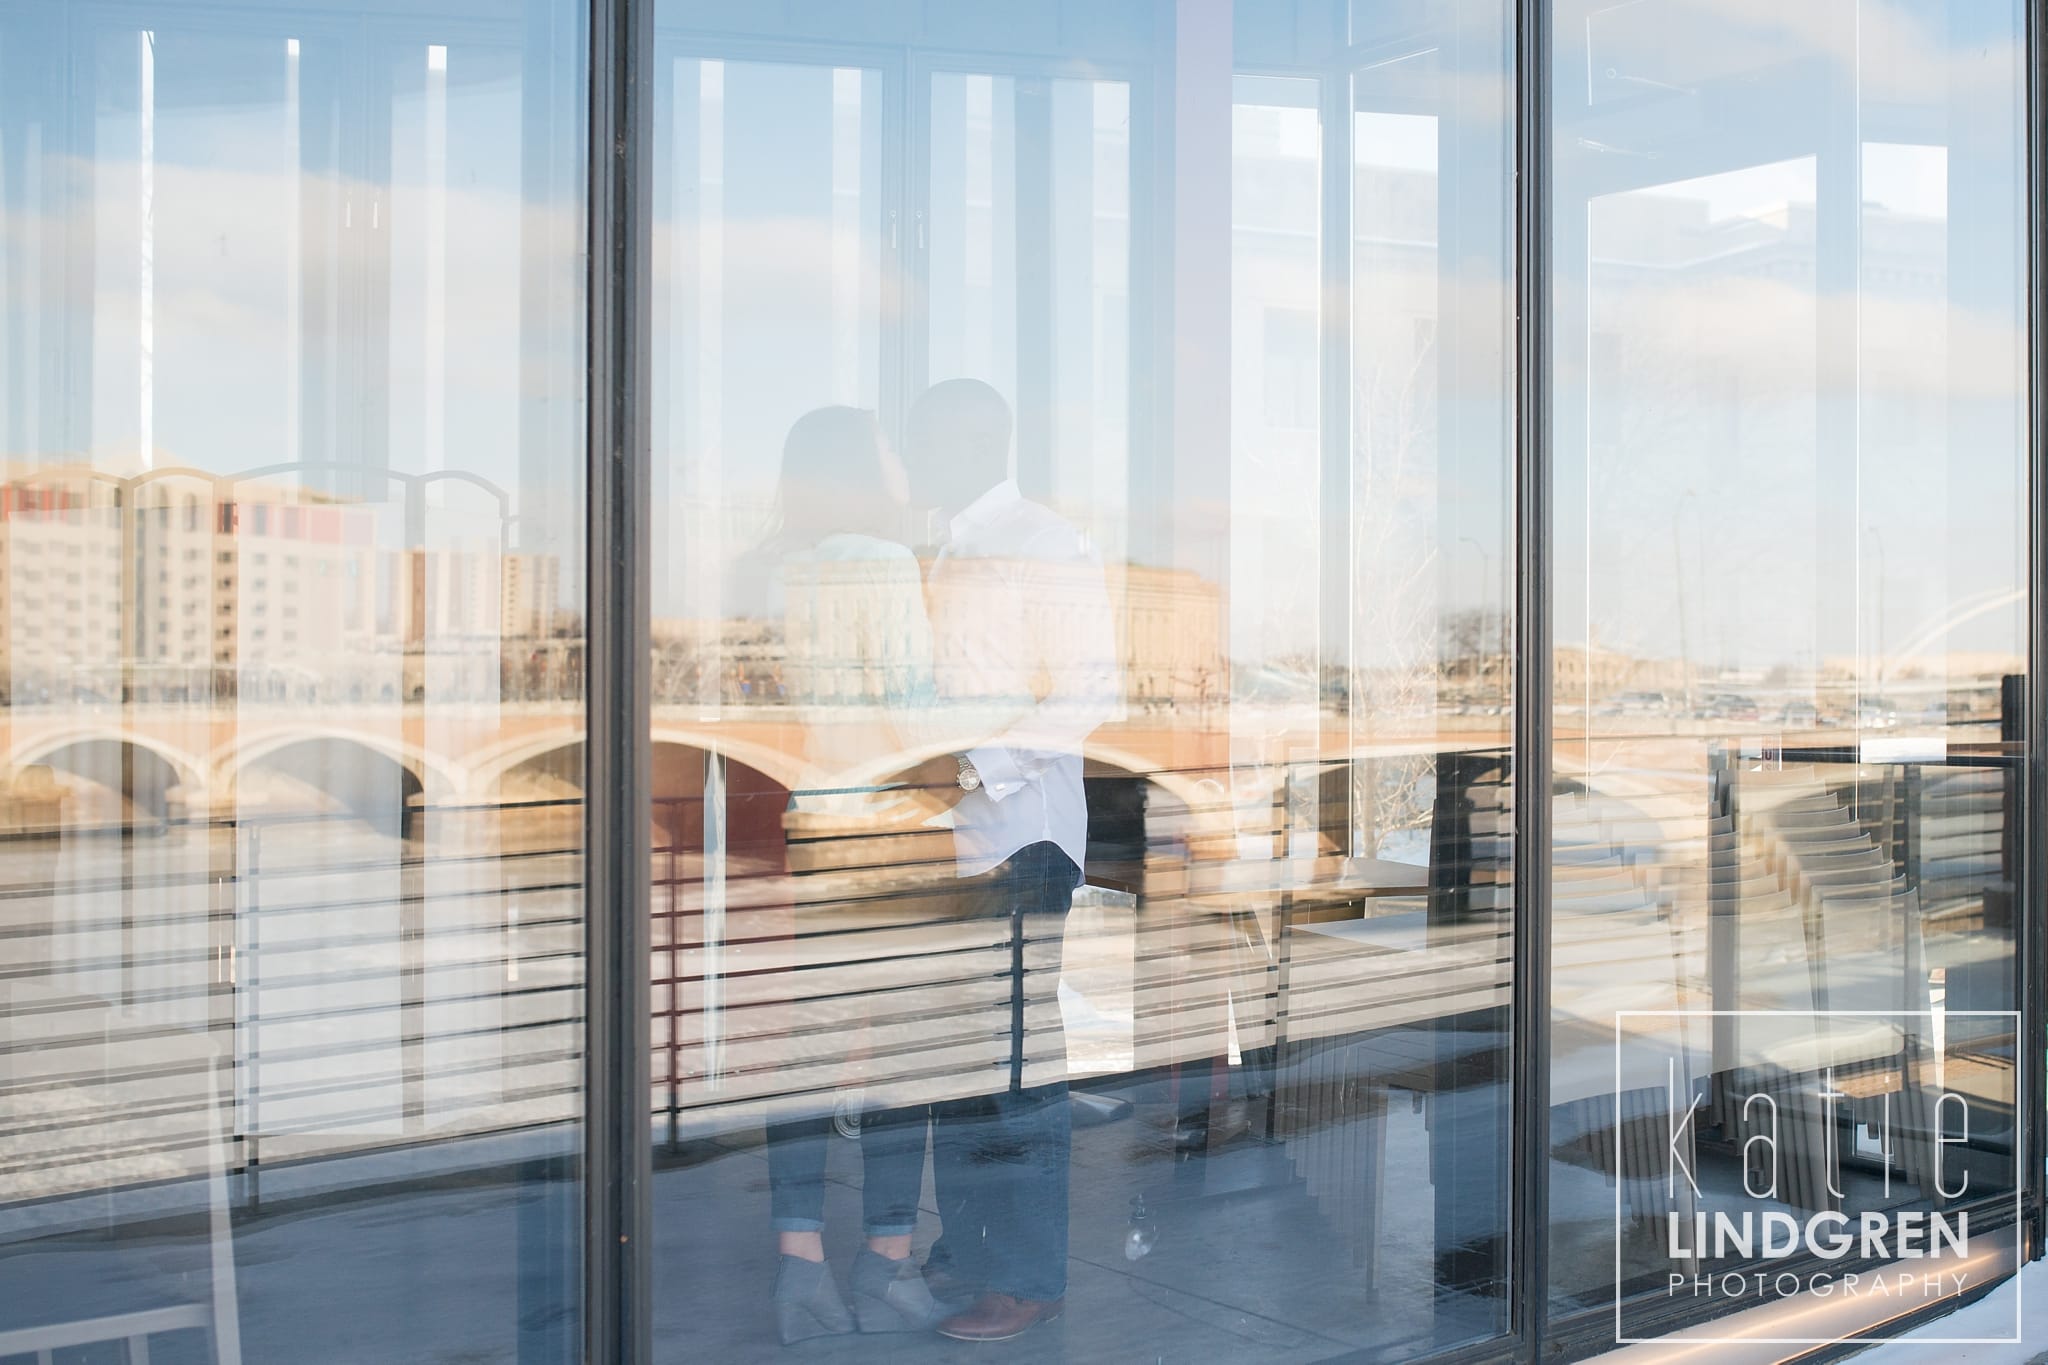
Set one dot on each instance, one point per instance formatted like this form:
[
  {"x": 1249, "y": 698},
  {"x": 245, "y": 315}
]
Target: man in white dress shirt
[{"x": 1025, "y": 668}]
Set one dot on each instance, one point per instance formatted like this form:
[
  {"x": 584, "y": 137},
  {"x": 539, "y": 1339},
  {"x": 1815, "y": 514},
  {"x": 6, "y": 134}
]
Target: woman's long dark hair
[{"x": 835, "y": 479}]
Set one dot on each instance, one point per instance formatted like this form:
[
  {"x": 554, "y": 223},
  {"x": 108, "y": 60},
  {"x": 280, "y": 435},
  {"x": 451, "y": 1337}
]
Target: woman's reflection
[{"x": 851, "y": 601}]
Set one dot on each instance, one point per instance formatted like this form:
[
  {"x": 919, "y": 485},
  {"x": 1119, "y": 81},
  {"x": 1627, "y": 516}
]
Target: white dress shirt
[{"x": 1025, "y": 666}]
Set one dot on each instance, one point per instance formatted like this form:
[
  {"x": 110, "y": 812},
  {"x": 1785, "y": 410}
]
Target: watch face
[{"x": 970, "y": 780}]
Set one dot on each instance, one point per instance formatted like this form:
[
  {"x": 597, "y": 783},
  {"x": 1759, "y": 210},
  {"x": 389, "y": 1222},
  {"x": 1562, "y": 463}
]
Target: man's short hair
[{"x": 960, "y": 430}]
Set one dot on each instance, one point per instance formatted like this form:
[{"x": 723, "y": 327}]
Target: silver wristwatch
[{"x": 970, "y": 780}]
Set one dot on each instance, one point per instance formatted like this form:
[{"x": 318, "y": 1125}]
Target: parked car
[{"x": 1800, "y": 715}]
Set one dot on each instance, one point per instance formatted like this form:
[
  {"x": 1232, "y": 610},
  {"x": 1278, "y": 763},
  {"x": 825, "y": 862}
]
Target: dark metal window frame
[
  {"x": 1529, "y": 1040},
  {"x": 2032, "y": 947},
  {"x": 617, "y": 1248},
  {"x": 617, "y": 860}
]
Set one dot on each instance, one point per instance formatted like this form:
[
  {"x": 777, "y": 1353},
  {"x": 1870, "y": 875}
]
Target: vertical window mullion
[
  {"x": 617, "y": 1148},
  {"x": 1532, "y": 727},
  {"x": 2034, "y": 943}
]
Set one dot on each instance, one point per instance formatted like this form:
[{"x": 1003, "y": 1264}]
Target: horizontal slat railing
[{"x": 371, "y": 991}]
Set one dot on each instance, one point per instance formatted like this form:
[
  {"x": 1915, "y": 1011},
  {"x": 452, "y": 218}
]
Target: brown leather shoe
[
  {"x": 954, "y": 1293},
  {"x": 998, "y": 1317}
]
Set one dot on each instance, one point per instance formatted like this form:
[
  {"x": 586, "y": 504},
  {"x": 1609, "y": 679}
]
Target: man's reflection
[
  {"x": 852, "y": 604},
  {"x": 1024, "y": 650}
]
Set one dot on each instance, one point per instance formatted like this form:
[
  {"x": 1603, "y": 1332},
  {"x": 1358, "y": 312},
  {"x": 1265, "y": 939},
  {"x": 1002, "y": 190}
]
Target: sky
[{"x": 1795, "y": 433}]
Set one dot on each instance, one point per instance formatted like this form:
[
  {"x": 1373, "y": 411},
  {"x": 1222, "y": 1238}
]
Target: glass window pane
[
  {"x": 1081, "y": 760},
  {"x": 291, "y": 387},
  {"x": 1790, "y": 624},
  {"x": 1065, "y": 337},
  {"x": 973, "y": 271},
  {"x": 1430, "y": 559}
]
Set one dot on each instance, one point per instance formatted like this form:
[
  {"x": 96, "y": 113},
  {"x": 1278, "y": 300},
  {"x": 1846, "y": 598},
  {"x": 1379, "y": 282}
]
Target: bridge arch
[
  {"x": 143, "y": 771},
  {"x": 1200, "y": 805},
  {"x": 371, "y": 778},
  {"x": 493, "y": 767}
]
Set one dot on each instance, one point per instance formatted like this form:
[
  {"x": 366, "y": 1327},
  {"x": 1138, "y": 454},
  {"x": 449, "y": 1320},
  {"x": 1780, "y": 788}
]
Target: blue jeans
[
  {"x": 999, "y": 1161},
  {"x": 892, "y": 1171}
]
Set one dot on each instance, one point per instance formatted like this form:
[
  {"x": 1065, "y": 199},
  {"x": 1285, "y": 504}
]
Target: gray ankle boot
[
  {"x": 807, "y": 1302},
  {"x": 891, "y": 1296}
]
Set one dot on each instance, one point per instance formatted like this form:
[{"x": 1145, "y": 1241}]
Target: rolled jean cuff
[
  {"x": 888, "y": 1229},
  {"x": 796, "y": 1225}
]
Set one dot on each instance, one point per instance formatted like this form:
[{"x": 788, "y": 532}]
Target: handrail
[{"x": 1993, "y": 754}]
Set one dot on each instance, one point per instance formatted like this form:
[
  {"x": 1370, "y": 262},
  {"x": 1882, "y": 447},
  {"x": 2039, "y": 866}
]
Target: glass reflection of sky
[
  {"x": 224, "y": 331},
  {"x": 1761, "y": 341}
]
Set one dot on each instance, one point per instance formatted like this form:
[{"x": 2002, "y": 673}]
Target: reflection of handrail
[
  {"x": 246, "y": 820},
  {"x": 336, "y": 886},
  {"x": 308, "y": 896},
  {"x": 2003, "y": 757},
  {"x": 238, "y": 973}
]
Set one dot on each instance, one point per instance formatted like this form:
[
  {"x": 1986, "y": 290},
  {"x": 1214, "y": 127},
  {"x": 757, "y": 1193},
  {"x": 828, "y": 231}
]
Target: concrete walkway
[{"x": 1990, "y": 1316}]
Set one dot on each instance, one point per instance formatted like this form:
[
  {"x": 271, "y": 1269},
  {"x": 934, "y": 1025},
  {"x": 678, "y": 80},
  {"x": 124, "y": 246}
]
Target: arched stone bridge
[{"x": 195, "y": 759}]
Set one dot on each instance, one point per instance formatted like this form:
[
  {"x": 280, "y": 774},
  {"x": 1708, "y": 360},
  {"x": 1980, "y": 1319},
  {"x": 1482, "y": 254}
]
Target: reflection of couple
[{"x": 1007, "y": 652}]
